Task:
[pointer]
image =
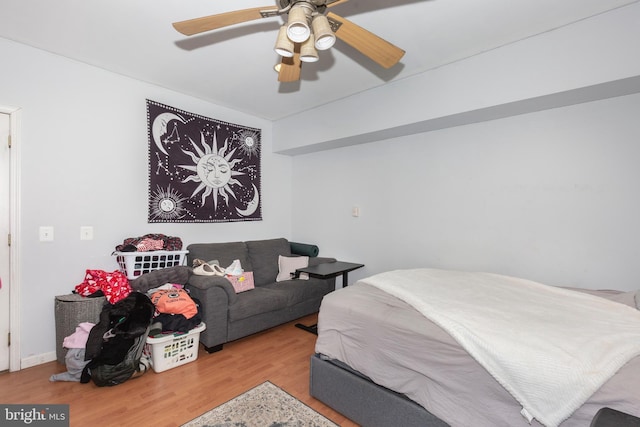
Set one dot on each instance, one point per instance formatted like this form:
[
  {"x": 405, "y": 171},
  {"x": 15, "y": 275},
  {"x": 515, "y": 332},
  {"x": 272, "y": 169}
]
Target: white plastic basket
[
  {"x": 174, "y": 350},
  {"x": 135, "y": 264}
]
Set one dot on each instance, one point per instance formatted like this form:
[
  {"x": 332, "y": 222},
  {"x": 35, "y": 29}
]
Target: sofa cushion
[
  {"x": 298, "y": 291},
  {"x": 264, "y": 258},
  {"x": 288, "y": 265},
  {"x": 257, "y": 301},
  {"x": 224, "y": 253}
]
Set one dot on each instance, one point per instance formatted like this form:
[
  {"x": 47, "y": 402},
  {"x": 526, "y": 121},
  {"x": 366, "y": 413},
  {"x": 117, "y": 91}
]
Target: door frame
[{"x": 14, "y": 228}]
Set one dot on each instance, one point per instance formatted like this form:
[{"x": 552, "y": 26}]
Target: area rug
[{"x": 265, "y": 405}]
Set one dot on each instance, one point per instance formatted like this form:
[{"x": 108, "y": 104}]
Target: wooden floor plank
[{"x": 170, "y": 398}]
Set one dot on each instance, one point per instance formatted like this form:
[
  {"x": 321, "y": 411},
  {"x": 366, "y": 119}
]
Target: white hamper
[
  {"x": 70, "y": 311},
  {"x": 135, "y": 264},
  {"x": 169, "y": 351}
]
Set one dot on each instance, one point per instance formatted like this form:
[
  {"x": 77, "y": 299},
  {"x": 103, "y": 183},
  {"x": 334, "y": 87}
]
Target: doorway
[
  {"x": 5, "y": 283},
  {"x": 9, "y": 224}
]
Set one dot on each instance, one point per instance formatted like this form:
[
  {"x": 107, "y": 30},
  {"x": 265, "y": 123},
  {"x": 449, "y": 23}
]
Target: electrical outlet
[
  {"x": 46, "y": 234},
  {"x": 86, "y": 232}
]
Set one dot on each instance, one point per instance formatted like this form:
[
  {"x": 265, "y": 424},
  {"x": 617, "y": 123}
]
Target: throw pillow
[
  {"x": 288, "y": 265},
  {"x": 242, "y": 282}
]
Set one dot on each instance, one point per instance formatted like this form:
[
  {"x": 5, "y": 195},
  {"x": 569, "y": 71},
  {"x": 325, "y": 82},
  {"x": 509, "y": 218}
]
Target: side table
[{"x": 327, "y": 270}]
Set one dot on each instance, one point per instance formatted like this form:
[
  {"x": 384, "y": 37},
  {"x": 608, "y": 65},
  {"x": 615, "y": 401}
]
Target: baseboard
[{"x": 38, "y": 359}]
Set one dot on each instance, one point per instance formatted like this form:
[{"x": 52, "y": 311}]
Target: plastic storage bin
[
  {"x": 174, "y": 350},
  {"x": 135, "y": 264}
]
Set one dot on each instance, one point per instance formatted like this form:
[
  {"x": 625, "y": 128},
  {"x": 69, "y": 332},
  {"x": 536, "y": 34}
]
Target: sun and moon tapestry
[{"x": 201, "y": 169}]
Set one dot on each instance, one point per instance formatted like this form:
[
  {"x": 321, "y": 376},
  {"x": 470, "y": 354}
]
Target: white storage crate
[
  {"x": 174, "y": 350},
  {"x": 135, "y": 264}
]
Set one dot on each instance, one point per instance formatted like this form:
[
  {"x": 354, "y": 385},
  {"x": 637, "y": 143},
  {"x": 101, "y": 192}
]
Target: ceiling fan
[{"x": 308, "y": 29}]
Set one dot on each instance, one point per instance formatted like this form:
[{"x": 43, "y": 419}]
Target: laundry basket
[
  {"x": 70, "y": 311},
  {"x": 135, "y": 264},
  {"x": 170, "y": 351}
]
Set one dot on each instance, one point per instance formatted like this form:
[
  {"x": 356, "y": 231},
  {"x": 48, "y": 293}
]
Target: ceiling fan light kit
[
  {"x": 308, "y": 30},
  {"x": 308, "y": 52},
  {"x": 284, "y": 45},
  {"x": 298, "y": 23},
  {"x": 323, "y": 33}
]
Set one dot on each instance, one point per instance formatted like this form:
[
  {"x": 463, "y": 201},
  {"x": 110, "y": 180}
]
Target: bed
[{"x": 384, "y": 358}]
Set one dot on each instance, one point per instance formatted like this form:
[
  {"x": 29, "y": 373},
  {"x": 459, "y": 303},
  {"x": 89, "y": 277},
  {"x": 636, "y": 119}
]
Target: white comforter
[{"x": 549, "y": 347}]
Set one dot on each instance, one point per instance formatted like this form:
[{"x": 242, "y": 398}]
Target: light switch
[
  {"x": 46, "y": 234},
  {"x": 355, "y": 211}
]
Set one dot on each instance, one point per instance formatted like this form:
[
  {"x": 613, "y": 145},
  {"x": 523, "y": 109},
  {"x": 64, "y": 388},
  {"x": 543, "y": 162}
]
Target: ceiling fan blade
[
  {"x": 331, "y": 3},
  {"x": 372, "y": 46},
  {"x": 290, "y": 67},
  {"x": 213, "y": 22}
]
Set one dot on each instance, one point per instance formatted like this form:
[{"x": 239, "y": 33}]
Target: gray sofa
[{"x": 230, "y": 315}]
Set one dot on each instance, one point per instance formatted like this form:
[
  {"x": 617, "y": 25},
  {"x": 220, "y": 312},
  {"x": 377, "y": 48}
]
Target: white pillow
[{"x": 288, "y": 265}]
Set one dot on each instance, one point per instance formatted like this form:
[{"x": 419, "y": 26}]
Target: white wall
[
  {"x": 521, "y": 160},
  {"x": 549, "y": 196},
  {"x": 554, "y": 68},
  {"x": 84, "y": 162}
]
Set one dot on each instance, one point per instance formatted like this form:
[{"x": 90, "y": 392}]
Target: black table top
[{"x": 329, "y": 269}]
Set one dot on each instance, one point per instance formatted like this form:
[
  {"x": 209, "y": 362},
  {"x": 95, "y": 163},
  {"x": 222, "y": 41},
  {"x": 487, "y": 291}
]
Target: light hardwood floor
[{"x": 170, "y": 398}]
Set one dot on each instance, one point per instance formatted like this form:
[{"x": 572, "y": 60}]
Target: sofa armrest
[
  {"x": 215, "y": 313},
  {"x": 206, "y": 282},
  {"x": 320, "y": 260}
]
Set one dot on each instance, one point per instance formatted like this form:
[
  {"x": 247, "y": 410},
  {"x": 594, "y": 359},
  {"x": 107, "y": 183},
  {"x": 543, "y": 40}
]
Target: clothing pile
[
  {"x": 150, "y": 242},
  {"x": 74, "y": 359},
  {"x": 175, "y": 311},
  {"x": 112, "y": 351},
  {"x": 112, "y": 285},
  {"x": 115, "y": 285},
  {"x": 116, "y": 343}
]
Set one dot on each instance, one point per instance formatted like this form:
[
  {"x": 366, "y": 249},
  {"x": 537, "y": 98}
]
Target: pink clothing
[{"x": 78, "y": 339}]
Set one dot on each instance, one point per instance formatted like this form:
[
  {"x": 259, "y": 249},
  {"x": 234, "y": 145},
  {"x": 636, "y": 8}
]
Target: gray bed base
[
  {"x": 371, "y": 405},
  {"x": 362, "y": 401}
]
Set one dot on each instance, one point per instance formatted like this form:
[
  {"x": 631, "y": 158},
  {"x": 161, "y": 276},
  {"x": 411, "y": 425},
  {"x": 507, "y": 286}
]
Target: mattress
[{"x": 395, "y": 346}]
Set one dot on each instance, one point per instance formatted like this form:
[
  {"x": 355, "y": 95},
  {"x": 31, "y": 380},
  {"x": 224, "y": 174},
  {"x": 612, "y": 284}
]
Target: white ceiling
[{"x": 233, "y": 67}]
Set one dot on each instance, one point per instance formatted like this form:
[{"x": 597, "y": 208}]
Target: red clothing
[{"x": 114, "y": 285}]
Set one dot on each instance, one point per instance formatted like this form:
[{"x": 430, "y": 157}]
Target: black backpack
[{"x": 116, "y": 344}]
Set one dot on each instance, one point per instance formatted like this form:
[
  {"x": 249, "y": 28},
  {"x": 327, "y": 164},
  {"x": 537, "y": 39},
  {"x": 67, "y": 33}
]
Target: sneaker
[{"x": 209, "y": 270}]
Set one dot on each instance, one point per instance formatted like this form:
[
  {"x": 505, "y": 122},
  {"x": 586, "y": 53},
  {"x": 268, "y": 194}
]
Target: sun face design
[
  {"x": 249, "y": 142},
  {"x": 213, "y": 169},
  {"x": 167, "y": 204}
]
